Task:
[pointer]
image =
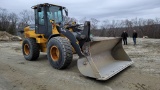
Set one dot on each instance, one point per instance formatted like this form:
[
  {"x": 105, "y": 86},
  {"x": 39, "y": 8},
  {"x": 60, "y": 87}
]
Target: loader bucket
[{"x": 106, "y": 57}]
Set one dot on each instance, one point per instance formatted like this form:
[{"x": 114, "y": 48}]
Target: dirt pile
[{"x": 4, "y": 36}]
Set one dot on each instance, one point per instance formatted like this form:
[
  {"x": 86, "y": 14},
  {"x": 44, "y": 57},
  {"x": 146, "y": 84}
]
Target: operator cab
[{"x": 46, "y": 12}]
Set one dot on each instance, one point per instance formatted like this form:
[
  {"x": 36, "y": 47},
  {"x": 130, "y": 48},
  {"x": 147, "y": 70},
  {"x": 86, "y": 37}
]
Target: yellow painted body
[{"x": 40, "y": 39}]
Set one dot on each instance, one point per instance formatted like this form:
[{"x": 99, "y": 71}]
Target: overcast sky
[{"x": 99, "y": 9}]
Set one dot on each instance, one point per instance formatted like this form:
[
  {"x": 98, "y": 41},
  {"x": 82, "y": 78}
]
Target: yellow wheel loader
[{"x": 99, "y": 57}]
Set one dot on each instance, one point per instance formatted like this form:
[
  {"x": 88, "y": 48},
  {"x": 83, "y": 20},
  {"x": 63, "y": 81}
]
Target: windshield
[{"x": 55, "y": 13}]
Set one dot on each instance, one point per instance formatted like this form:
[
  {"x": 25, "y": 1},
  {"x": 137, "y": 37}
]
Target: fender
[{"x": 53, "y": 35}]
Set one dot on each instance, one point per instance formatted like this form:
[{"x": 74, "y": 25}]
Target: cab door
[{"x": 40, "y": 21}]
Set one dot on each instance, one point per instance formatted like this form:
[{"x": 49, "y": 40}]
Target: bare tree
[
  {"x": 4, "y": 21},
  {"x": 94, "y": 23},
  {"x": 27, "y": 17},
  {"x": 13, "y": 19},
  {"x": 104, "y": 27},
  {"x": 8, "y": 21},
  {"x": 83, "y": 20},
  {"x": 105, "y": 24},
  {"x": 69, "y": 20}
]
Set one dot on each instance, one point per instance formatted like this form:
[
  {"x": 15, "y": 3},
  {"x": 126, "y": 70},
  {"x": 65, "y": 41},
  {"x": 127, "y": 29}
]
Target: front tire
[
  {"x": 59, "y": 52},
  {"x": 30, "y": 49}
]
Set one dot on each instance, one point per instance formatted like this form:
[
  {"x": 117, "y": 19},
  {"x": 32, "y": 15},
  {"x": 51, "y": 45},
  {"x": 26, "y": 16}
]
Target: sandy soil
[{"x": 18, "y": 74}]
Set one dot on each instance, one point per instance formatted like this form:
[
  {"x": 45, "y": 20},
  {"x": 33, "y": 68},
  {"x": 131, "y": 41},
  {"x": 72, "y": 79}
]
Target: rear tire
[
  {"x": 59, "y": 52},
  {"x": 30, "y": 49}
]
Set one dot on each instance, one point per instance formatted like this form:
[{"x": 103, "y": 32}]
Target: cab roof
[{"x": 45, "y": 4}]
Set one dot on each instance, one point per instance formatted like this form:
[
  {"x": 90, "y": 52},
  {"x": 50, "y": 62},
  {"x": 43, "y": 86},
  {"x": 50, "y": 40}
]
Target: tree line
[
  {"x": 144, "y": 27},
  {"x": 12, "y": 22}
]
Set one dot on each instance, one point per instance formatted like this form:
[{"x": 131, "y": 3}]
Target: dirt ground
[{"x": 18, "y": 74}]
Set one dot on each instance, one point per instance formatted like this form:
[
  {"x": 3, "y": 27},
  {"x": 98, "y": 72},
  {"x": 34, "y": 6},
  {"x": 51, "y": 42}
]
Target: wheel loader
[{"x": 99, "y": 57}]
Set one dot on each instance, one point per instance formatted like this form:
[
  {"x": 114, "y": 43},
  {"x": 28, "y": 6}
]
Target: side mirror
[{"x": 66, "y": 11}]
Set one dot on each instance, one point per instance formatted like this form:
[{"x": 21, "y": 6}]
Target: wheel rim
[
  {"x": 26, "y": 49},
  {"x": 54, "y": 52}
]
